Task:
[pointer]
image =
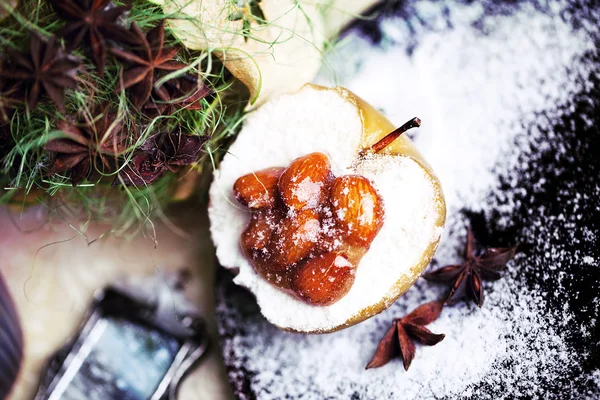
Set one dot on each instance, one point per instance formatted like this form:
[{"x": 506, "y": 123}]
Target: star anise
[
  {"x": 161, "y": 152},
  {"x": 98, "y": 136},
  {"x": 185, "y": 91},
  {"x": 46, "y": 68},
  {"x": 466, "y": 278},
  {"x": 92, "y": 20},
  {"x": 10, "y": 95},
  {"x": 400, "y": 338},
  {"x": 9, "y": 100},
  {"x": 149, "y": 59}
]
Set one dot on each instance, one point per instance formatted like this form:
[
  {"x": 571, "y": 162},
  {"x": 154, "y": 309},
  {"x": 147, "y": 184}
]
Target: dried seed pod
[
  {"x": 324, "y": 280},
  {"x": 259, "y": 189},
  {"x": 357, "y": 209},
  {"x": 304, "y": 183}
]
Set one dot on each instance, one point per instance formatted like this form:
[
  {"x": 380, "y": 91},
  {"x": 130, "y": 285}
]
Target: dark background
[{"x": 556, "y": 222}]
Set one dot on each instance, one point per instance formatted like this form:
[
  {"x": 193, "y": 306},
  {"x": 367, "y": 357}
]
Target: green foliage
[
  {"x": 247, "y": 11},
  {"x": 23, "y": 171}
]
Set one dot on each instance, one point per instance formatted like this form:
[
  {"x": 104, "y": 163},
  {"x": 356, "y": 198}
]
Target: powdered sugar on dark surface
[{"x": 512, "y": 94}]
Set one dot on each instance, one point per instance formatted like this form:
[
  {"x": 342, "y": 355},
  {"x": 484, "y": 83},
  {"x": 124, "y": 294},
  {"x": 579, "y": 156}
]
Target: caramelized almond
[
  {"x": 303, "y": 185},
  {"x": 277, "y": 274},
  {"x": 357, "y": 209},
  {"x": 259, "y": 189},
  {"x": 295, "y": 237},
  {"x": 256, "y": 238},
  {"x": 260, "y": 228},
  {"x": 324, "y": 280}
]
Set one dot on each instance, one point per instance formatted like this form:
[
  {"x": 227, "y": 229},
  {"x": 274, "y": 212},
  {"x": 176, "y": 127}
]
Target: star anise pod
[
  {"x": 400, "y": 338},
  {"x": 9, "y": 100},
  {"x": 161, "y": 152},
  {"x": 10, "y": 95},
  {"x": 466, "y": 278},
  {"x": 46, "y": 68},
  {"x": 185, "y": 91},
  {"x": 149, "y": 59},
  {"x": 97, "y": 137},
  {"x": 92, "y": 20}
]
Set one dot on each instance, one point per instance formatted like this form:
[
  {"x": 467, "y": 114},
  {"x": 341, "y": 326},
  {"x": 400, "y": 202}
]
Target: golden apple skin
[{"x": 375, "y": 127}]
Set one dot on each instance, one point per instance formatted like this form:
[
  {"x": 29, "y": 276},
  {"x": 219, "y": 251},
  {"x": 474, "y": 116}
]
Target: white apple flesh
[{"x": 341, "y": 125}]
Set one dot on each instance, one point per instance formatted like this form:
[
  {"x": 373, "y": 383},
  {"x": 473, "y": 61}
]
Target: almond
[
  {"x": 304, "y": 183},
  {"x": 257, "y": 237},
  {"x": 357, "y": 209},
  {"x": 277, "y": 274},
  {"x": 260, "y": 228},
  {"x": 331, "y": 238},
  {"x": 296, "y": 236},
  {"x": 259, "y": 189},
  {"x": 324, "y": 280}
]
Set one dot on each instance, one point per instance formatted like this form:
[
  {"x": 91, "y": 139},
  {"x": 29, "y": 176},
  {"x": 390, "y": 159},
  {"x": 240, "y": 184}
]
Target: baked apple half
[{"x": 325, "y": 210}]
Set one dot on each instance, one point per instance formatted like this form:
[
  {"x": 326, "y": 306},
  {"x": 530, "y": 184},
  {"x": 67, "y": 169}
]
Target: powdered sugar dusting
[
  {"x": 487, "y": 101},
  {"x": 403, "y": 237},
  {"x": 308, "y": 192},
  {"x": 476, "y": 343},
  {"x": 407, "y": 232},
  {"x": 475, "y": 114}
]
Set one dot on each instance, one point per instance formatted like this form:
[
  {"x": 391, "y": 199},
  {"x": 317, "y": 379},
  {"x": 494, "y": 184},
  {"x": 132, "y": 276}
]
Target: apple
[{"x": 304, "y": 129}]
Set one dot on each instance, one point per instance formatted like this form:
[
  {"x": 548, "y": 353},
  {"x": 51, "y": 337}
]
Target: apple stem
[{"x": 390, "y": 137}]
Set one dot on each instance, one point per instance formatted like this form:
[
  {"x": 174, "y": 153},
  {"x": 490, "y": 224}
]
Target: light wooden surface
[{"x": 52, "y": 273}]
